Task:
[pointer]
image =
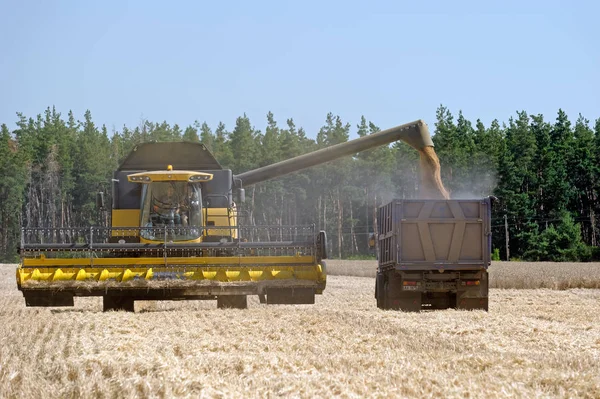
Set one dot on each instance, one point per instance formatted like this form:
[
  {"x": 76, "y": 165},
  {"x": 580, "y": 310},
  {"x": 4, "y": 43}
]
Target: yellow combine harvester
[{"x": 175, "y": 235}]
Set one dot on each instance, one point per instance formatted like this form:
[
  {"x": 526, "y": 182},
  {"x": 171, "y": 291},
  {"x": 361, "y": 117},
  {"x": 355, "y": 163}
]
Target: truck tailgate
[{"x": 435, "y": 234}]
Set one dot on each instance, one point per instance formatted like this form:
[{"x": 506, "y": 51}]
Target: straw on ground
[{"x": 532, "y": 343}]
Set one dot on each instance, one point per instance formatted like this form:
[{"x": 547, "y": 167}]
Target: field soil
[{"x": 534, "y": 342}]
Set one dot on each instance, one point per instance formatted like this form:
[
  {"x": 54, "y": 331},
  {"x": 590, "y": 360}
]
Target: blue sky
[{"x": 392, "y": 61}]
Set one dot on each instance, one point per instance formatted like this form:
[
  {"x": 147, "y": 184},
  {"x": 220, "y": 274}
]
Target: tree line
[{"x": 544, "y": 173}]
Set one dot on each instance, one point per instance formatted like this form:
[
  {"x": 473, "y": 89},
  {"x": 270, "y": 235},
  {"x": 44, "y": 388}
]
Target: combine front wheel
[
  {"x": 232, "y": 301},
  {"x": 118, "y": 303}
]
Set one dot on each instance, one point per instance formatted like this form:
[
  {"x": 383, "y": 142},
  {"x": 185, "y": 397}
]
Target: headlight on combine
[
  {"x": 198, "y": 178},
  {"x": 139, "y": 178}
]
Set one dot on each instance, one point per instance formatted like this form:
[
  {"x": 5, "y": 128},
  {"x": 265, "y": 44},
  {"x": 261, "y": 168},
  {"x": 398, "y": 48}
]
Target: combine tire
[
  {"x": 118, "y": 303},
  {"x": 232, "y": 301}
]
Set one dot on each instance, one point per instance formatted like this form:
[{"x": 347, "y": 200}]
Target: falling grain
[{"x": 432, "y": 186}]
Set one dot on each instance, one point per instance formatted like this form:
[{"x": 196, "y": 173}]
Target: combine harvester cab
[
  {"x": 433, "y": 254},
  {"x": 175, "y": 234}
]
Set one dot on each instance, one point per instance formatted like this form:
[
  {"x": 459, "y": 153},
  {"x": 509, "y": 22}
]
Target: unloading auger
[{"x": 175, "y": 235}]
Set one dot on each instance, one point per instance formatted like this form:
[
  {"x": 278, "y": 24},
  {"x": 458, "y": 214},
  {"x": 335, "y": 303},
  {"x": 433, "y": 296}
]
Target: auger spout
[{"x": 416, "y": 134}]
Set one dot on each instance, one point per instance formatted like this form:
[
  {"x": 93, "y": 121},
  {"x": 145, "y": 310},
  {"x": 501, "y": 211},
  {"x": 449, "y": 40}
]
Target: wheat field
[
  {"x": 521, "y": 275},
  {"x": 542, "y": 342}
]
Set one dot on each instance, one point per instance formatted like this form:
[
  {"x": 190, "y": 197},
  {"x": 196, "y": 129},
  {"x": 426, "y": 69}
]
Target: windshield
[{"x": 174, "y": 208}]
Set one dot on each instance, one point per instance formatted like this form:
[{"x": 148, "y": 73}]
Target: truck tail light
[
  {"x": 472, "y": 282},
  {"x": 409, "y": 283}
]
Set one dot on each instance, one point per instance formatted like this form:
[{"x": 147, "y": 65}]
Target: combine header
[{"x": 175, "y": 235}]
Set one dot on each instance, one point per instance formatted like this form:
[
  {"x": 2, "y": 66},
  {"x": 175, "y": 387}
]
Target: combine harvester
[{"x": 175, "y": 234}]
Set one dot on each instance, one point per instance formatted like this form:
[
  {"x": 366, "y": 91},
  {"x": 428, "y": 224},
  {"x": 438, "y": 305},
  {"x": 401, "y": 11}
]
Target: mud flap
[
  {"x": 290, "y": 296},
  {"x": 408, "y": 302},
  {"x": 474, "y": 298},
  {"x": 395, "y": 298},
  {"x": 467, "y": 303}
]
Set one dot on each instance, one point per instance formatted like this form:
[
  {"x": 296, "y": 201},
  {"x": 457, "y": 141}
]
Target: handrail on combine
[{"x": 264, "y": 240}]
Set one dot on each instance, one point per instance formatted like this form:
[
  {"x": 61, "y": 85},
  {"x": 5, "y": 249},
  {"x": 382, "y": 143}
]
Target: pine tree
[
  {"x": 558, "y": 184},
  {"x": 243, "y": 145},
  {"x": 93, "y": 172},
  {"x": 191, "y": 134},
  {"x": 221, "y": 149},
  {"x": 541, "y": 132},
  {"x": 206, "y": 137},
  {"x": 331, "y": 179},
  {"x": 484, "y": 160},
  {"x": 596, "y": 221},
  {"x": 12, "y": 187},
  {"x": 271, "y": 205},
  {"x": 582, "y": 173},
  {"x": 270, "y": 151},
  {"x": 292, "y": 143},
  {"x": 455, "y": 146}
]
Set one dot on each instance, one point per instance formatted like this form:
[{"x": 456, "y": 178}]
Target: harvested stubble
[
  {"x": 517, "y": 275},
  {"x": 532, "y": 343}
]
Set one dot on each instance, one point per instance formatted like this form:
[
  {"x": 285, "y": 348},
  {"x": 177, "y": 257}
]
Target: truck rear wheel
[
  {"x": 379, "y": 290},
  {"x": 232, "y": 301},
  {"x": 396, "y": 298},
  {"x": 408, "y": 302},
  {"x": 474, "y": 299}
]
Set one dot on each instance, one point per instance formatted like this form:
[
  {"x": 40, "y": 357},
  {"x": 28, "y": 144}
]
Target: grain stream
[{"x": 432, "y": 186}]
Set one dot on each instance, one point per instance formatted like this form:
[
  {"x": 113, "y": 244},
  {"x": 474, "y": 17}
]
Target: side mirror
[
  {"x": 241, "y": 194},
  {"x": 100, "y": 200},
  {"x": 322, "y": 244}
]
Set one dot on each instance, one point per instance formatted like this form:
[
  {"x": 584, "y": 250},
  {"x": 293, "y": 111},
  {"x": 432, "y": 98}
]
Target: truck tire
[
  {"x": 477, "y": 300},
  {"x": 397, "y": 299},
  {"x": 232, "y": 301},
  {"x": 379, "y": 290},
  {"x": 408, "y": 302}
]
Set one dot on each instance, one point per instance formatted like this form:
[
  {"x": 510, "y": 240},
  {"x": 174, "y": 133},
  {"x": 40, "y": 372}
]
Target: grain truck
[{"x": 433, "y": 254}]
